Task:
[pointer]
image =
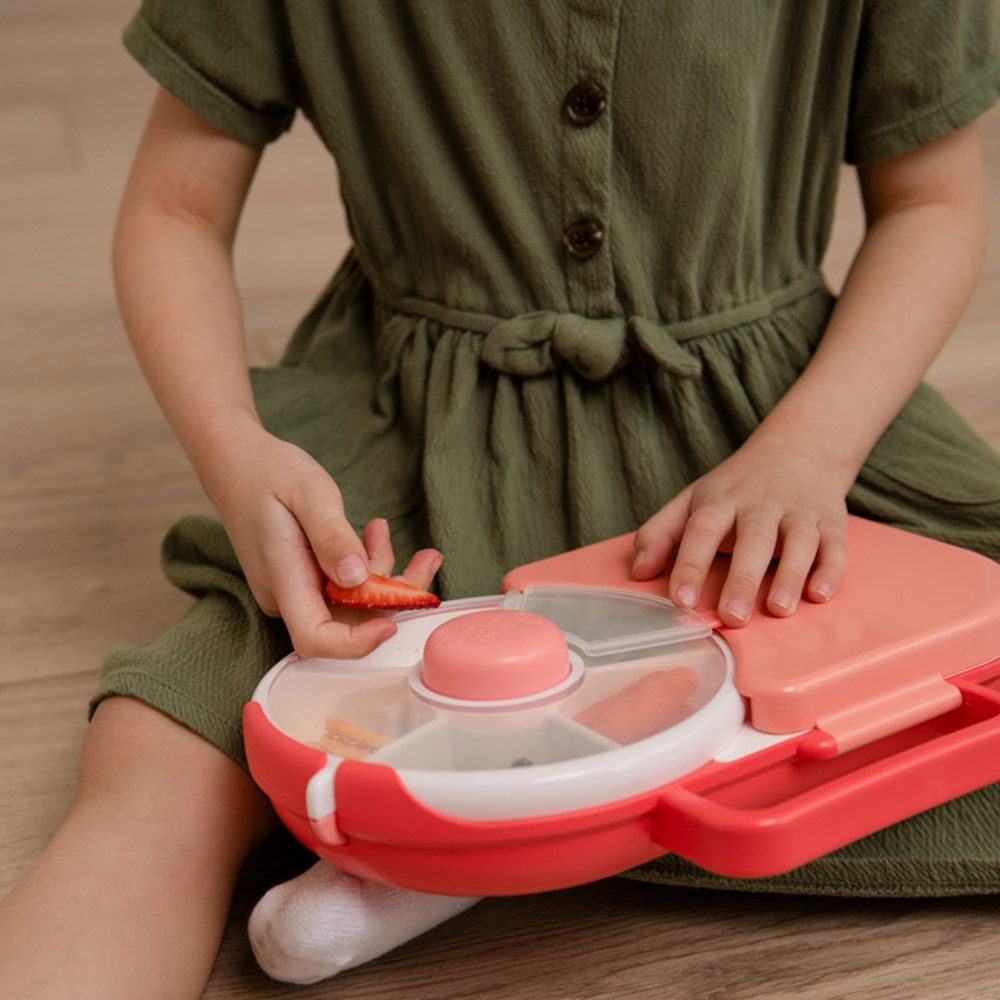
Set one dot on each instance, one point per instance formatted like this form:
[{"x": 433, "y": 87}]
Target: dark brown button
[
  {"x": 585, "y": 103},
  {"x": 582, "y": 237}
]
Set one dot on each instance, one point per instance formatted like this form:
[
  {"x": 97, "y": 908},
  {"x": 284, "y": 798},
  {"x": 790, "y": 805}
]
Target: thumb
[
  {"x": 338, "y": 550},
  {"x": 656, "y": 540}
]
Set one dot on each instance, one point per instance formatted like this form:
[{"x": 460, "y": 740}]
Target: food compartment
[
  {"x": 603, "y": 623},
  {"x": 636, "y": 699},
  {"x": 313, "y": 699},
  {"x": 442, "y": 746}
]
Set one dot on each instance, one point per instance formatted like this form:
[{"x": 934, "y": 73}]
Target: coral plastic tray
[{"x": 578, "y": 724}]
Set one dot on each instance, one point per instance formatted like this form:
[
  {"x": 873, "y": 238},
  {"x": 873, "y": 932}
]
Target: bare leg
[{"x": 130, "y": 898}]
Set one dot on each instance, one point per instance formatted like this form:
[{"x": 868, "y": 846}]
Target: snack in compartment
[
  {"x": 345, "y": 730},
  {"x": 341, "y": 748},
  {"x": 643, "y": 708},
  {"x": 345, "y": 739}
]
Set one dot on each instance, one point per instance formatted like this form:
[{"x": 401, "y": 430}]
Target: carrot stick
[{"x": 644, "y": 708}]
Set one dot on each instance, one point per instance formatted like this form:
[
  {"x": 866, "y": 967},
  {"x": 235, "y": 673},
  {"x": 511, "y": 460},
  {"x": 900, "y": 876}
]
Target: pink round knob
[{"x": 494, "y": 656}]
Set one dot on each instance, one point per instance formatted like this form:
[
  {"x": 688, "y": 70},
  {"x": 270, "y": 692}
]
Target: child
[{"x": 583, "y": 298}]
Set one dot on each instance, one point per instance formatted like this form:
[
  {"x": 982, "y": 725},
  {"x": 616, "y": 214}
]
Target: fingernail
[
  {"x": 783, "y": 598},
  {"x": 738, "y": 609},
  {"x": 351, "y": 571},
  {"x": 687, "y": 596},
  {"x": 638, "y": 561},
  {"x": 824, "y": 590}
]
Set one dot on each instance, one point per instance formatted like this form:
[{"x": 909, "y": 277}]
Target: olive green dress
[{"x": 585, "y": 266}]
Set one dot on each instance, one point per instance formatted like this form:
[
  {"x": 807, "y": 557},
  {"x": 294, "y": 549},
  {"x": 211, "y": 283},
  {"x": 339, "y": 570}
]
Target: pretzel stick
[
  {"x": 344, "y": 730},
  {"x": 341, "y": 748}
]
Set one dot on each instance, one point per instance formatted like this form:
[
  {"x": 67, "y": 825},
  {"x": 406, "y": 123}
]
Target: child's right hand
[
  {"x": 285, "y": 519},
  {"x": 180, "y": 306}
]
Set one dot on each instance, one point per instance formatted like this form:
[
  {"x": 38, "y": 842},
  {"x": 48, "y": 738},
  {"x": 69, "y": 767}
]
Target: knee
[{"x": 137, "y": 760}]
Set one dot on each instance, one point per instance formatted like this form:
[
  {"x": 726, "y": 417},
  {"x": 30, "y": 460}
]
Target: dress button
[
  {"x": 582, "y": 237},
  {"x": 585, "y": 103}
]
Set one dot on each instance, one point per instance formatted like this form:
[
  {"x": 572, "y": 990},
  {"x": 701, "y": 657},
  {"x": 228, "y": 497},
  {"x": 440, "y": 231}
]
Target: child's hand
[
  {"x": 285, "y": 518},
  {"x": 759, "y": 502}
]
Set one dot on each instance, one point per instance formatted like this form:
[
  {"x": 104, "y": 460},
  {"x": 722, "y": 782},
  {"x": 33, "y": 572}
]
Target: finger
[
  {"x": 319, "y": 509},
  {"x": 704, "y": 530},
  {"x": 314, "y": 632},
  {"x": 378, "y": 545},
  {"x": 756, "y": 535},
  {"x": 421, "y": 568},
  {"x": 656, "y": 540},
  {"x": 799, "y": 542},
  {"x": 830, "y": 564}
]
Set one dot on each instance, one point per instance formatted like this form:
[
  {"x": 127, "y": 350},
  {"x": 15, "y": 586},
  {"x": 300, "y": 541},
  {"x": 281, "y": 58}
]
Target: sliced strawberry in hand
[{"x": 380, "y": 592}]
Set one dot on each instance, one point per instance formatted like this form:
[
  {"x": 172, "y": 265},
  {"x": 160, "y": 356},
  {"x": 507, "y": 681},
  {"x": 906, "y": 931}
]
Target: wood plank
[{"x": 616, "y": 939}]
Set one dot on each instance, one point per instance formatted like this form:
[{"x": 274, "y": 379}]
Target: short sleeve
[
  {"x": 229, "y": 61},
  {"x": 923, "y": 69}
]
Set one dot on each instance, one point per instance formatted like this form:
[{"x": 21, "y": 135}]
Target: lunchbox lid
[
  {"x": 567, "y": 697},
  {"x": 909, "y": 613}
]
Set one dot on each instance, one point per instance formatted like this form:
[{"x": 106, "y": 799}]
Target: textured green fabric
[{"x": 466, "y": 377}]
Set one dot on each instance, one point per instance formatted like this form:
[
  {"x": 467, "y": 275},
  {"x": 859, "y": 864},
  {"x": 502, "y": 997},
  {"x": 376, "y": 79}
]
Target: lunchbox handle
[{"x": 769, "y": 813}]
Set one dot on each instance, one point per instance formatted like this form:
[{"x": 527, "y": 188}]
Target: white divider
[{"x": 442, "y": 746}]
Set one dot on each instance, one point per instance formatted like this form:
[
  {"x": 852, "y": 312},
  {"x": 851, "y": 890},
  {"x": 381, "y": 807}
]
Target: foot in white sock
[{"x": 327, "y": 920}]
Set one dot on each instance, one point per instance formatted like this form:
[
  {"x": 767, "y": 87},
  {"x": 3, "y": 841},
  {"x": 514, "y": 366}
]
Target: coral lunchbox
[{"x": 578, "y": 723}]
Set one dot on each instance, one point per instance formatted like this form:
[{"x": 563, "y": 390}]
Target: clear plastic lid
[
  {"x": 604, "y": 622},
  {"x": 635, "y": 668}
]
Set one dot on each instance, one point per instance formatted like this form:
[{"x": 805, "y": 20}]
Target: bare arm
[
  {"x": 172, "y": 260},
  {"x": 911, "y": 279},
  {"x": 784, "y": 489},
  {"x": 177, "y": 293}
]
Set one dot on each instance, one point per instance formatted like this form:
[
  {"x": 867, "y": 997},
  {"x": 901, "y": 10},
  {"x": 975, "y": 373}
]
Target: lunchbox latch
[{"x": 890, "y": 712}]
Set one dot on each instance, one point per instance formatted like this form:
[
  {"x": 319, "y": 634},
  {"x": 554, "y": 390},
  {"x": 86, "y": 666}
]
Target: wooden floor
[{"x": 90, "y": 477}]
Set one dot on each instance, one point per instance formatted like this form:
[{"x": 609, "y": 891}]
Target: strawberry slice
[{"x": 380, "y": 592}]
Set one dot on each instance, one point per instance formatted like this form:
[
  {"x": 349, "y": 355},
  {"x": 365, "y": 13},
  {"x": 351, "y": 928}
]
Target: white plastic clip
[{"x": 320, "y": 806}]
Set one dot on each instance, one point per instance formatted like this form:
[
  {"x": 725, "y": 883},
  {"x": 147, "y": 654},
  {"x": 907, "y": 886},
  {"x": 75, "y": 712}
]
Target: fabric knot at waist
[{"x": 535, "y": 343}]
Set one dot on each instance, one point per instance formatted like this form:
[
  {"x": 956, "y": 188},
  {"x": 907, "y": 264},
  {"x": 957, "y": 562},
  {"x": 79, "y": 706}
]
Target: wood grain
[{"x": 90, "y": 477}]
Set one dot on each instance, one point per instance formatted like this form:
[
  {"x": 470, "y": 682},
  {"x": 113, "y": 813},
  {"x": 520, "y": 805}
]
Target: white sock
[{"x": 327, "y": 920}]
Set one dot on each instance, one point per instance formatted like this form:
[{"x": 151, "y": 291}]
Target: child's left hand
[
  {"x": 760, "y": 502},
  {"x": 783, "y": 492}
]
